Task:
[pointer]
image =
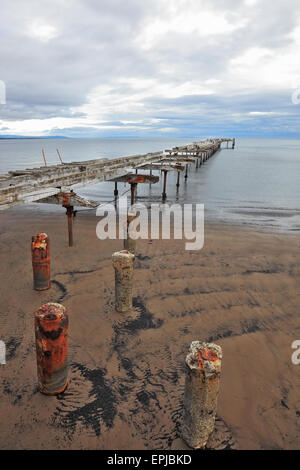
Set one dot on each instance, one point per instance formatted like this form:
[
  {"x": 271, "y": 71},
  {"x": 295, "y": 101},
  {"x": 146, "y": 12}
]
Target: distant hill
[{"x": 32, "y": 137}]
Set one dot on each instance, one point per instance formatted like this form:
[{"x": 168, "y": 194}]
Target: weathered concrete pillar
[
  {"x": 123, "y": 265},
  {"x": 40, "y": 253},
  {"x": 130, "y": 243},
  {"x": 51, "y": 339},
  {"x": 203, "y": 365}
]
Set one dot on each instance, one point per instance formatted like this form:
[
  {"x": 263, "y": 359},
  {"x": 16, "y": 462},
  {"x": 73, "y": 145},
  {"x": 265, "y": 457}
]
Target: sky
[{"x": 150, "y": 68}]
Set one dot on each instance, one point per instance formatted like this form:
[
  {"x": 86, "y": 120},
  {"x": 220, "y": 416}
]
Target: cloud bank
[{"x": 153, "y": 68}]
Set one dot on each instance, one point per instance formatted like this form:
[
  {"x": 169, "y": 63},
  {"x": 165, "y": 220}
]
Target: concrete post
[
  {"x": 51, "y": 339},
  {"x": 123, "y": 265},
  {"x": 129, "y": 243},
  {"x": 203, "y": 366},
  {"x": 40, "y": 253}
]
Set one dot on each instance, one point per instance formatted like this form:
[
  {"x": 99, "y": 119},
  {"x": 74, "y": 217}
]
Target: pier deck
[{"x": 36, "y": 184}]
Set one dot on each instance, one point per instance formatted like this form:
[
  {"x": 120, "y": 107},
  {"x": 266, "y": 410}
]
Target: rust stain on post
[
  {"x": 40, "y": 253},
  {"x": 51, "y": 337}
]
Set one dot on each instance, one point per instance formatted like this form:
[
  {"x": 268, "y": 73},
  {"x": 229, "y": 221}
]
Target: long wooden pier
[{"x": 56, "y": 184}]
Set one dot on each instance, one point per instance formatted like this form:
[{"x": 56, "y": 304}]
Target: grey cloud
[{"x": 96, "y": 45}]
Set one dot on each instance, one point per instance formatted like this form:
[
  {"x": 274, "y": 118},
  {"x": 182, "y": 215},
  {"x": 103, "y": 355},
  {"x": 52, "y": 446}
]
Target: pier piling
[
  {"x": 130, "y": 243},
  {"x": 51, "y": 339},
  {"x": 164, "y": 194},
  {"x": 40, "y": 253},
  {"x": 123, "y": 265},
  {"x": 70, "y": 212},
  {"x": 116, "y": 192},
  {"x": 203, "y": 367}
]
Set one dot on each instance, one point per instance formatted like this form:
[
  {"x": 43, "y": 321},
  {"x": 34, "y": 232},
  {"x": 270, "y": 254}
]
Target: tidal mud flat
[{"x": 127, "y": 371}]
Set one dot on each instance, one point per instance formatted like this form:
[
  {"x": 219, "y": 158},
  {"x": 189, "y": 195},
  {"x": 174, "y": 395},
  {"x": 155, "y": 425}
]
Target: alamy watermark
[
  {"x": 2, "y": 92},
  {"x": 296, "y": 354},
  {"x": 153, "y": 223},
  {"x": 2, "y": 352}
]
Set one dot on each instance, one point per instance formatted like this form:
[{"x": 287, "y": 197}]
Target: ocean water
[{"x": 256, "y": 184}]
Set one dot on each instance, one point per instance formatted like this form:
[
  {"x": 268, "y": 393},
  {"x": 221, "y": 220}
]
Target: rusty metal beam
[
  {"x": 132, "y": 178},
  {"x": 68, "y": 199},
  {"x": 158, "y": 166}
]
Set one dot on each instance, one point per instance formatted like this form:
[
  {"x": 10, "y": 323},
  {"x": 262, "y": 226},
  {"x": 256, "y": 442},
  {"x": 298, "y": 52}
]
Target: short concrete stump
[
  {"x": 123, "y": 265},
  {"x": 203, "y": 367}
]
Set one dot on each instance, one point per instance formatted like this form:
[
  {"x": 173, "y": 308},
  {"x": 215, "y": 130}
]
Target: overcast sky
[{"x": 150, "y": 67}]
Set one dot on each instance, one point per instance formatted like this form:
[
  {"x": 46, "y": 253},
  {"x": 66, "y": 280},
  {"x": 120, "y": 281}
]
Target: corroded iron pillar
[
  {"x": 203, "y": 367},
  {"x": 186, "y": 171},
  {"x": 133, "y": 187},
  {"x": 40, "y": 253},
  {"x": 51, "y": 339},
  {"x": 116, "y": 192},
  {"x": 70, "y": 211},
  {"x": 130, "y": 243},
  {"x": 164, "y": 194},
  {"x": 123, "y": 265}
]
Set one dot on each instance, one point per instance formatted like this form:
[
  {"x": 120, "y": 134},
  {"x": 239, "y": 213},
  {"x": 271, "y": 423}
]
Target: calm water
[{"x": 257, "y": 183}]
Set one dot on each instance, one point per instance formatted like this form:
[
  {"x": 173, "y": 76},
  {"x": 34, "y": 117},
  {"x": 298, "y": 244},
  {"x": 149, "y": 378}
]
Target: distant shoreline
[{"x": 37, "y": 137}]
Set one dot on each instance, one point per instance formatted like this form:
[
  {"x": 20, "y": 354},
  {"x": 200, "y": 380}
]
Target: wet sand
[{"x": 127, "y": 370}]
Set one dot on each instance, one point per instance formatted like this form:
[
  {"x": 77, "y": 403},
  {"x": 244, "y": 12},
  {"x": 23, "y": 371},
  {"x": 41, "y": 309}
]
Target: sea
[{"x": 256, "y": 184}]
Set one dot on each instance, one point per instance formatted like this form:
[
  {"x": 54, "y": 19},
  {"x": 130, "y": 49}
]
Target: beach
[{"x": 127, "y": 370}]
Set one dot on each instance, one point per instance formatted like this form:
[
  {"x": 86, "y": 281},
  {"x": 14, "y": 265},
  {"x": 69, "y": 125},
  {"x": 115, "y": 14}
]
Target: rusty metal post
[
  {"x": 203, "y": 367},
  {"x": 116, "y": 192},
  {"x": 44, "y": 157},
  {"x": 130, "y": 243},
  {"x": 123, "y": 265},
  {"x": 70, "y": 224},
  {"x": 233, "y": 143},
  {"x": 178, "y": 178},
  {"x": 133, "y": 190},
  {"x": 186, "y": 171},
  {"x": 164, "y": 194},
  {"x": 51, "y": 339},
  {"x": 40, "y": 253}
]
